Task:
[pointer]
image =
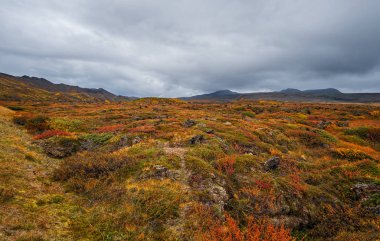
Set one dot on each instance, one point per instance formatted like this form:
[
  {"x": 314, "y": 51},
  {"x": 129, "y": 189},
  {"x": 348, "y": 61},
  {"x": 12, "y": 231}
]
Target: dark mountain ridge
[
  {"x": 49, "y": 86},
  {"x": 32, "y": 87},
  {"x": 290, "y": 94}
]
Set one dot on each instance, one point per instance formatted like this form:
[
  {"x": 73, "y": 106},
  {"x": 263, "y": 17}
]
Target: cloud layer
[{"x": 178, "y": 48}]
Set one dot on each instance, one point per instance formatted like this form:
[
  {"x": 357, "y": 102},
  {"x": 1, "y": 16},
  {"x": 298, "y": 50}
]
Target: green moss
[
  {"x": 360, "y": 131},
  {"x": 157, "y": 203},
  {"x": 248, "y": 114},
  {"x": 199, "y": 166},
  {"x": 16, "y": 108},
  {"x": 373, "y": 200},
  {"x": 64, "y": 124},
  {"x": 350, "y": 155},
  {"x": 100, "y": 139},
  {"x": 327, "y": 136},
  {"x": 369, "y": 167},
  {"x": 207, "y": 153},
  {"x": 245, "y": 163},
  {"x": 50, "y": 199},
  {"x": 367, "y": 133}
]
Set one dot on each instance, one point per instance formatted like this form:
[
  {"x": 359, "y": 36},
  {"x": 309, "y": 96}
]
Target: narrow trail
[
  {"x": 180, "y": 152},
  {"x": 32, "y": 207},
  {"x": 184, "y": 176}
]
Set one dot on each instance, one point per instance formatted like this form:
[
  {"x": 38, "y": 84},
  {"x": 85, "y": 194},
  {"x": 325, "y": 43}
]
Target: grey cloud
[{"x": 177, "y": 48}]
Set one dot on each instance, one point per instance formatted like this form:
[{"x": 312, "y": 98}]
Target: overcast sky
[{"x": 179, "y": 48}]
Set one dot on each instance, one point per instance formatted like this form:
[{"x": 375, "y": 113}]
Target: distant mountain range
[
  {"x": 24, "y": 88},
  {"x": 314, "y": 95}
]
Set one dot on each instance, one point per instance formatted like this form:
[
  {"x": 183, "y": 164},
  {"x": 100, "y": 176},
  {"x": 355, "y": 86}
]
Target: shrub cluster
[
  {"x": 110, "y": 129},
  {"x": 366, "y": 133},
  {"x": 88, "y": 165},
  {"x": 50, "y": 133},
  {"x": 34, "y": 124},
  {"x": 350, "y": 154},
  {"x": 307, "y": 138}
]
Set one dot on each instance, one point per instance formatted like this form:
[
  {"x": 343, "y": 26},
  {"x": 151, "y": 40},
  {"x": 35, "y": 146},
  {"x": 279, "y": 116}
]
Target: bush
[
  {"x": 198, "y": 167},
  {"x": 50, "y": 133},
  {"x": 367, "y": 133},
  {"x": 255, "y": 231},
  {"x": 88, "y": 165},
  {"x": 226, "y": 165},
  {"x": 245, "y": 163},
  {"x": 6, "y": 194},
  {"x": 20, "y": 120},
  {"x": 143, "y": 129},
  {"x": 16, "y": 108},
  {"x": 373, "y": 200},
  {"x": 98, "y": 139},
  {"x": 248, "y": 114},
  {"x": 207, "y": 153},
  {"x": 327, "y": 136},
  {"x": 307, "y": 138},
  {"x": 157, "y": 203},
  {"x": 110, "y": 129},
  {"x": 37, "y": 124},
  {"x": 350, "y": 154},
  {"x": 66, "y": 124},
  {"x": 375, "y": 113}
]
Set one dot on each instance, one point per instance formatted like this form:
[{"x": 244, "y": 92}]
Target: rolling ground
[{"x": 166, "y": 169}]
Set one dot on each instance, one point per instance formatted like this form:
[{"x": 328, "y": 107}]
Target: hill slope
[
  {"x": 27, "y": 88},
  {"x": 141, "y": 170},
  {"x": 31, "y": 206}
]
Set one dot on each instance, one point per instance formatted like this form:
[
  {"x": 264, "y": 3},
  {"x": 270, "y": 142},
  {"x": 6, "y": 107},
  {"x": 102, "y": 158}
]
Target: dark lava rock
[
  {"x": 189, "y": 123},
  {"x": 196, "y": 139},
  {"x": 272, "y": 163},
  {"x": 210, "y": 131}
]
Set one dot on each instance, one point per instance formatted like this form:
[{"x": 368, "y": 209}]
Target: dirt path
[
  {"x": 180, "y": 152},
  {"x": 184, "y": 176},
  {"x": 32, "y": 207}
]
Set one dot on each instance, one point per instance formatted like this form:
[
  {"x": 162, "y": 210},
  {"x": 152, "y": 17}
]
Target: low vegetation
[{"x": 165, "y": 169}]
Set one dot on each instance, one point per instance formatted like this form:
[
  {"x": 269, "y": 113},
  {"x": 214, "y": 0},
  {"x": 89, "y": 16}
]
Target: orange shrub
[
  {"x": 350, "y": 154},
  {"x": 107, "y": 129},
  {"x": 143, "y": 129},
  {"x": 226, "y": 165},
  {"x": 51, "y": 133},
  {"x": 296, "y": 183},
  {"x": 263, "y": 185},
  {"x": 255, "y": 231}
]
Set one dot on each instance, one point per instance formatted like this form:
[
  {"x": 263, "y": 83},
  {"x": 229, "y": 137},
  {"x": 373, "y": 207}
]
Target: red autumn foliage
[
  {"x": 226, "y": 165},
  {"x": 263, "y": 185},
  {"x": 50, "y": 133},
  {"x": 296, "y": 183},
  {"x": 230, "y": 231},
  {"x": 143, "y": 129},
  {"x": 107, "y": 129}
]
